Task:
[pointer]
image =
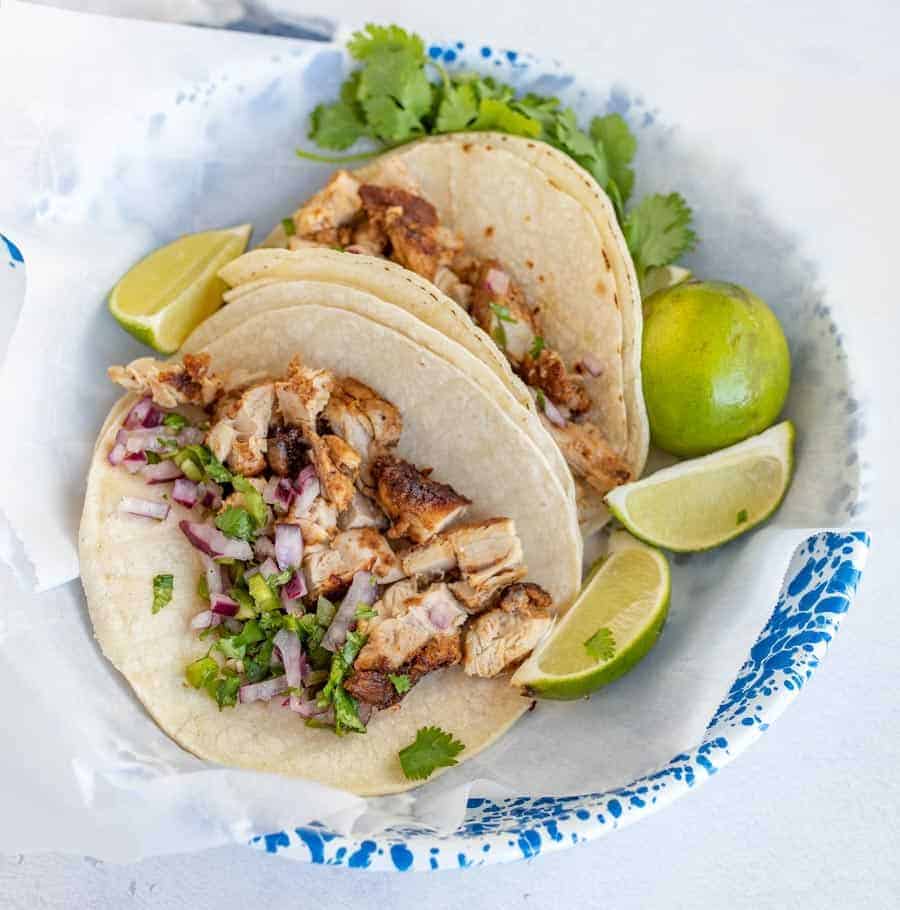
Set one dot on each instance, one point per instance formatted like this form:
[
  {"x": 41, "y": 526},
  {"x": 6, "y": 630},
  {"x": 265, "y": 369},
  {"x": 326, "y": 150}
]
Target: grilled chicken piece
[
  {"x": 589, "y": 455},
  {"x": 368, "y": 423},
  {"x": 362, "y": 513},
  {"x": 337, "y": 466},
  {"x": 489, "y": 556},
  {"x": 450, "y": 283},
  {"x": 548, "y": 373},
  {"x": 303, "y": 394},
  {"x": 286, "y": 452},
  {"x": 239, "y": 434},
  {"x": 170, "y": 384},
  {"x": 418, "y": 506},
  {"x": 498, "y": 306},
  {"x": 375, "y": 688},
  {"x": 394, "y": 639},
  {"x": 318, "y": 524},
  {"x": 333, "y": 207},
  {"x": 432, "y": 559},
  {"x": 369, "y": 238},
  {"x": 328, "y": 569},
  {"x": 504, "y": 636},
  {"x": 418, "y": 242}
]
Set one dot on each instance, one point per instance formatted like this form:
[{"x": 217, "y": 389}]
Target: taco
[
  {"x": 528, "y": 246},
  {"x": 315, "y": 525}
]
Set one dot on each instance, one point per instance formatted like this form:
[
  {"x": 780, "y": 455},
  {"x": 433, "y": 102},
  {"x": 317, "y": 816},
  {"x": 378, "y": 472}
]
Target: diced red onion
[
  {"x": 305, "y": 476},
  {"x": 262, "y": 691},
  {"x": 308, "y": 488},
  {"x": 284, "y": 494},
  {"x": 591, "y": 364},
  {"x": 365, "y": 712},
  {"x": 296, "y": 586},
  {"x": 213, "y": 542},
  {"x": 190, "y": 436},
  {"x": 138, "y": 414},
  {"x": 185, "y": 492},
  {"x": 554, "y": 415},
  {"x": 116, "y": 454},
  {"x": 154, "y": 418},
  {"x": 263, "y": 547},
  {"x": 215, "y": 583},
  {"x": 291, "y": 605},
  {"x": 268, "y": 568},
  {"x": 205, "y": 620},
  {"x": 361, "y": 591},
  {"x": 292, "y": 659},
  {"x": 223, "y": 605},
  {"x": 268, "y": 494},
  {"x": 134, "y": 461},
  {"x": 209, "y": 494},
  {"x": 497, "y": 282},
  {"x": 288, "y": 546},
  {"x": 306, "y": 707},
  {"x": 161, "y": 472},
  {"x": 145, "y": 508}
]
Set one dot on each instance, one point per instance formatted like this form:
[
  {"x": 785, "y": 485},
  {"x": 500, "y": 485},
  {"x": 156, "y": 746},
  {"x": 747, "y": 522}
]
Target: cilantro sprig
[
  {"x": 397, "y": 94},
  {"x": 432, "y": 748}
]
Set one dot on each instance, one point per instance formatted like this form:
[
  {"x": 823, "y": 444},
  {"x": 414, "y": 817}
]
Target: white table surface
[{"x": 760, "y": 834}]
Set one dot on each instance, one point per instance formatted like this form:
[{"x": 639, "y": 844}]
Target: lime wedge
[
  {"x": 663, "y": 276},
  {"x": 165, "y": 296},
  {"x": 615, "y": 621},
  {"x": 704, "y": 502}
]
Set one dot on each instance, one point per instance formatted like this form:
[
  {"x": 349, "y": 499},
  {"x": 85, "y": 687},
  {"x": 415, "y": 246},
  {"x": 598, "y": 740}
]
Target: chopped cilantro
[
  {"x": 346, "y": 713},
  {"x": 601, "y": 645},
  {"x": 502, "y": 313},
  {"x": 499, "y": 335},
  {"x": 364, "y": 611},
  {"x": 200, "y": 671},
  {"x": 224, "y": 690},
  {"x": 152, "y": 457},
  {"x": 325, "y": 611},
  {"x": 400, "y": 682},
  {"x": 236, "y": 522},
  {"x": 742, "y": 517},
  {"x": 253, "y": 501},
  {"x": 433, "y": 748},
  {"x": 288, "y": 224},
  {"x": 176, "y": 421},
  {"x": 282, "y": 578},
  {"x": 163, "y": 586},
  {"x": 536, "y": 347},
  {"x": 658, "y": 231},
  {"x": 263, "y": 596},
  {"x": 197, "y": 462},
  {"x": 203, "y": 587},
  {"x": 246, "y": 608},
  {"x": 541, "y": 399},
  {"x": 352, "y": 647}
]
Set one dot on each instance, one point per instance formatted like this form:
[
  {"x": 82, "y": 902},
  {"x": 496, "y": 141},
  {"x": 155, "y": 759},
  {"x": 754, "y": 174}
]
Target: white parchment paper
[{"x": 114, "y": 150}]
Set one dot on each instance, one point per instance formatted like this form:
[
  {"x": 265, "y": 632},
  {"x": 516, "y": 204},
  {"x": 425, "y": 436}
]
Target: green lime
[
  {"x": 699, "y": 504},
  {"x": 166, "y": 295},
  {"x": 716, "y": 366},
  {"x": 615, "y": 621}
]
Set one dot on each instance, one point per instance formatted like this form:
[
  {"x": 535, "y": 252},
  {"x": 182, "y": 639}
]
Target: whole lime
[{"x": 716, "y": 366}]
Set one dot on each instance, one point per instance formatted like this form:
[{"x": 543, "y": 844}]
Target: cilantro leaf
[
  {"x": 502, "y": 312},
  {"x": 352, "y": 647},
  {"x": 433, "y": 748},
  {"x": 236, "y": 522},
  {"x": 494, "y": 114},
  {"x": 281, "y": 578},
  {"x": 364, "y": 611},
  {"x": 742, "y": 517},
  {"x": 536, "y": 347},
  {"x": 176, "y": 421},
  {"x": 601, "y": 645},
  {"x": 658, "y": 230},
  {"x": 377, "y": 39},
  {"x": 400, "y": 682},
  {"x": 163, "y": 586},
  {"x": 336, "y": 126},
  {"x": 346, "y": 713},
  {"x": 619, "y": 145},
  {"x": 325, "y": 611},
  {"x": 457, "y": 109},
  {"x": 253, "y": 501},
  {"x": 289, "y": 227}
]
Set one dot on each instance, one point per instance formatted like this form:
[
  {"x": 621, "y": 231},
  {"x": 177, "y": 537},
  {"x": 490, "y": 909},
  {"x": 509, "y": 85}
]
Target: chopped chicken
[
  {"x": 239, "y": 435},
  {"x": 589, "y": 455},
  {"x": 504, "y": 636},
  {"x": 337, "y": 466},
  {"x": 418, "y": 242},
  {"x": 489, "y": 556},
  {"x": 286, "y": 452},
  {"x": 418, "y": 506},
  {"x": 375, "y": 687},
  {"x": 449, "y": 282},
  {"x": 498, "y": 306},
  {"x": 304, "y": 394},
  {"x": 362, "y": 513},
  {"x": 170, "y": 384},
  {"x": 432, "y": 559},
  {"x": 332, "y": 208},
  {"x": 548, "y": 373},
  {"x": 368, "y": 237},
  {"x": 368, "y": 423},
  {"x": 394, "y": 639},
  {"x": 328, "y": 569},
  {"x": 318, "y": 524}
]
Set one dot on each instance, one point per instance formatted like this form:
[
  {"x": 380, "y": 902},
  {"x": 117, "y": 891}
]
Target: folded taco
[
  {"x": 527, "y": 245},
  {"x": 314, "y": 524}
]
